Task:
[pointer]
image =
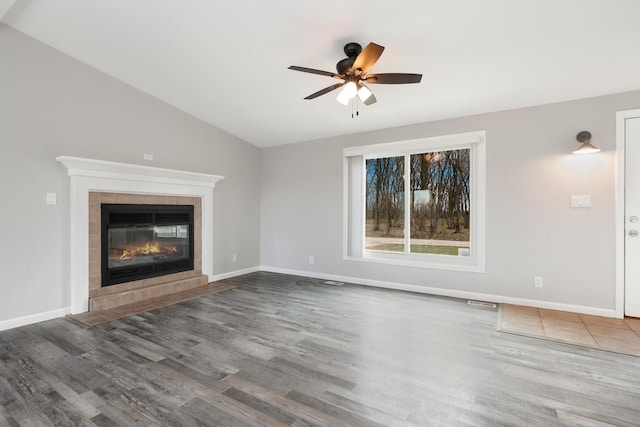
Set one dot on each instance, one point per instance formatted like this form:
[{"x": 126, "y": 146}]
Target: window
[{"x": 441, "y": 222}]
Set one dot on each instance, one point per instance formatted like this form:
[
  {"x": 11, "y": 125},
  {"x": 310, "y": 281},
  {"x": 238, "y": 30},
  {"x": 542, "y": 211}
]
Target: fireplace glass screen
[{"x": 141, "y": 241}]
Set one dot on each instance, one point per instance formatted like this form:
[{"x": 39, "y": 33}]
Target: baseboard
[
  {"x": 595, "y": 311},
  {"x": 448, "y": 292},
  {"x": 33, "y": 318},
  {"x": 219, "y": 277},
  {"x": 54, "y": 314}
]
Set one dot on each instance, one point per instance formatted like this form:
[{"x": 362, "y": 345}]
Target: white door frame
[{"x": 621, "y": 117}]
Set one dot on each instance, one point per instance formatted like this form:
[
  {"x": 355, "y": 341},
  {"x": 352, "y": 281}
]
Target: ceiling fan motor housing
[
  {"x": 352, "y": 50},
  {"x": 344, "y": 65}
]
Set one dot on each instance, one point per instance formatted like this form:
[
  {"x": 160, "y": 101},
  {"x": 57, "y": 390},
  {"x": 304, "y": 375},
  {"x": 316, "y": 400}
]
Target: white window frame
[{"x": 354, "y": 180}]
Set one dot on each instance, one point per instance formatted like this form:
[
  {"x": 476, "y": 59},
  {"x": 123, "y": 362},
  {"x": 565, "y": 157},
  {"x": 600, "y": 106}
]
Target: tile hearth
[{"x": 92, "y": 318}]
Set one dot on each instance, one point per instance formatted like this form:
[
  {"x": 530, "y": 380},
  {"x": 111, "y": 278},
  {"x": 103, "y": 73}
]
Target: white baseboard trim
[
  {"x": 33, "y": 318},
  {"x": 595, "y": 311},
  {"x": 448, "y": 292},
  {"x": 219, "y": 277},
  {"x": 61, "y": 312}
]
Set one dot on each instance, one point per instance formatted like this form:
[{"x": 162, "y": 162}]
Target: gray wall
[
  {"x": 279, "y": 205},
  {"x": 531, "y": 229},
  {"x": 53, "y": 105}
]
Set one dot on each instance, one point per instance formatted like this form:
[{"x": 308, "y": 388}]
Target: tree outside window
[
  {"x": 438, "y": 215},
  {"x": 418, "y": 203}
]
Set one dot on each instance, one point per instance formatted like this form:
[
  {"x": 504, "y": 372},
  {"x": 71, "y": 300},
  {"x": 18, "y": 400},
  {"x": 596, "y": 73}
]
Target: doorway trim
[{"x": 621, "y": 117}]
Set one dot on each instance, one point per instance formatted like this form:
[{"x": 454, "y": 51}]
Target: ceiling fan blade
[
  {"x": 314, "y": 71},
  {"x": 367, "y": 58},
  {"x": 325, "y": 90},
  {"x": 393, "y": 78}
]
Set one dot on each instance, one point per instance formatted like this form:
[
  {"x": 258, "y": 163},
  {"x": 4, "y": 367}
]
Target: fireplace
[
  {"x": 98, "y": 182},
  {"x": 140, "y": 241},
  {"x": 143, "y": 247}
]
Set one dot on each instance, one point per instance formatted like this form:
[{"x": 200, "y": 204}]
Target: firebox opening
[{"x": 142, "y": 241}]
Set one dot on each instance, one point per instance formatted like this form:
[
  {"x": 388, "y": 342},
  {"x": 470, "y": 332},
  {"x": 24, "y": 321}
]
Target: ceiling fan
[{"x": 353, "y": 71}]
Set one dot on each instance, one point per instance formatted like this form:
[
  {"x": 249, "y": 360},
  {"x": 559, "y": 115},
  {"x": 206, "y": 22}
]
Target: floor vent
[
  {"x": 332, "y": 283},
  {"x": 482, "y": 304}
]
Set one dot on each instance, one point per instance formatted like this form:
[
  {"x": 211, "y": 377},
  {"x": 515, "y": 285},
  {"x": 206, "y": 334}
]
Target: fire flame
[{"x": 149, "y": 248}]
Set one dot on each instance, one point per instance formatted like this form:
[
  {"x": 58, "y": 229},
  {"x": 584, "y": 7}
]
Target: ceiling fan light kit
[
  {"x": 353, "y": 71},
  {"x": 343, "y": 97},
  {"x": 350, "y": 90},
  {"x": 364, "y": 93}
]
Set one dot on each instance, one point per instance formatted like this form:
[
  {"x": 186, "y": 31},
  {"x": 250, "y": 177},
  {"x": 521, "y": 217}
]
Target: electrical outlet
[
  {"x": 234, "y": 258},
  {"x": 52, "y": 198},
  {"x": 311, "y": 260},
  {"x": 537, "y": 281},
  {"x": 148, "y": 156}
]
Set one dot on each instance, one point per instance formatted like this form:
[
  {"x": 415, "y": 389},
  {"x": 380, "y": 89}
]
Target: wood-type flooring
[{"x": 282, "y": 350}]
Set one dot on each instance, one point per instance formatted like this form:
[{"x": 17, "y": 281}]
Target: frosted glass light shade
[{"x": 364, "y": 93}]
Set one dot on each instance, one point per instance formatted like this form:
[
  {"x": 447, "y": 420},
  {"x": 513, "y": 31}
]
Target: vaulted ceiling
[{"x": 225, "y": 62}]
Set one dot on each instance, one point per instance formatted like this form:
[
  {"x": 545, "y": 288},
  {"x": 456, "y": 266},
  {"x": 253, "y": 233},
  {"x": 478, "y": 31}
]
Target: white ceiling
[{"x": 226, "y": 62}]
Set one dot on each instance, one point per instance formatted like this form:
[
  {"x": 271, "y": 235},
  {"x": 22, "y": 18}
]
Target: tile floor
[{"x": 621, "y": 335}]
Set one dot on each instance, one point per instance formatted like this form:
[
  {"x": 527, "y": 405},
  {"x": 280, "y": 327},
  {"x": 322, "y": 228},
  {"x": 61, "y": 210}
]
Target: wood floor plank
[
  {"x": 6, "y": 419},
  {"x": 347, "y": 416},
  {"x": 276, "y": 350},
  {"x": 308, "y": 416},
  {"x": 260, "y": 405}
]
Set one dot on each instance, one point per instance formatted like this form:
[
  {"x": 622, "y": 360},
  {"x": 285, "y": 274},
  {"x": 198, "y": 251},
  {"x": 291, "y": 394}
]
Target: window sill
[{"x": 469, "y": 265}]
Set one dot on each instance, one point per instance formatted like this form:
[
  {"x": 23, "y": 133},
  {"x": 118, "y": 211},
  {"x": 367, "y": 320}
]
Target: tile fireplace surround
[
  {"x": 102, "y": 298},
  {"x": 94, "y": 182}
]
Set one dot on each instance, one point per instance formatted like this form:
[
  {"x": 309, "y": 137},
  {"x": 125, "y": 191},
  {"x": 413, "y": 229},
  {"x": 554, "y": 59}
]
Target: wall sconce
[{"x": 585, "y": 147}]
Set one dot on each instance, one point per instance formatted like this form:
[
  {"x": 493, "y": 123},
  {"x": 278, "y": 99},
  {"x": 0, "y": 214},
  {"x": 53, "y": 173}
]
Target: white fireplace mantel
[{"x": 88, "y": 175}]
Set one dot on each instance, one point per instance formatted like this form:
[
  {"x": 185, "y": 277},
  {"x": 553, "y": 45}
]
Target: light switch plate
[
  {"x": 52, "y": 198},
  {"x": 581, "y": 201}
]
